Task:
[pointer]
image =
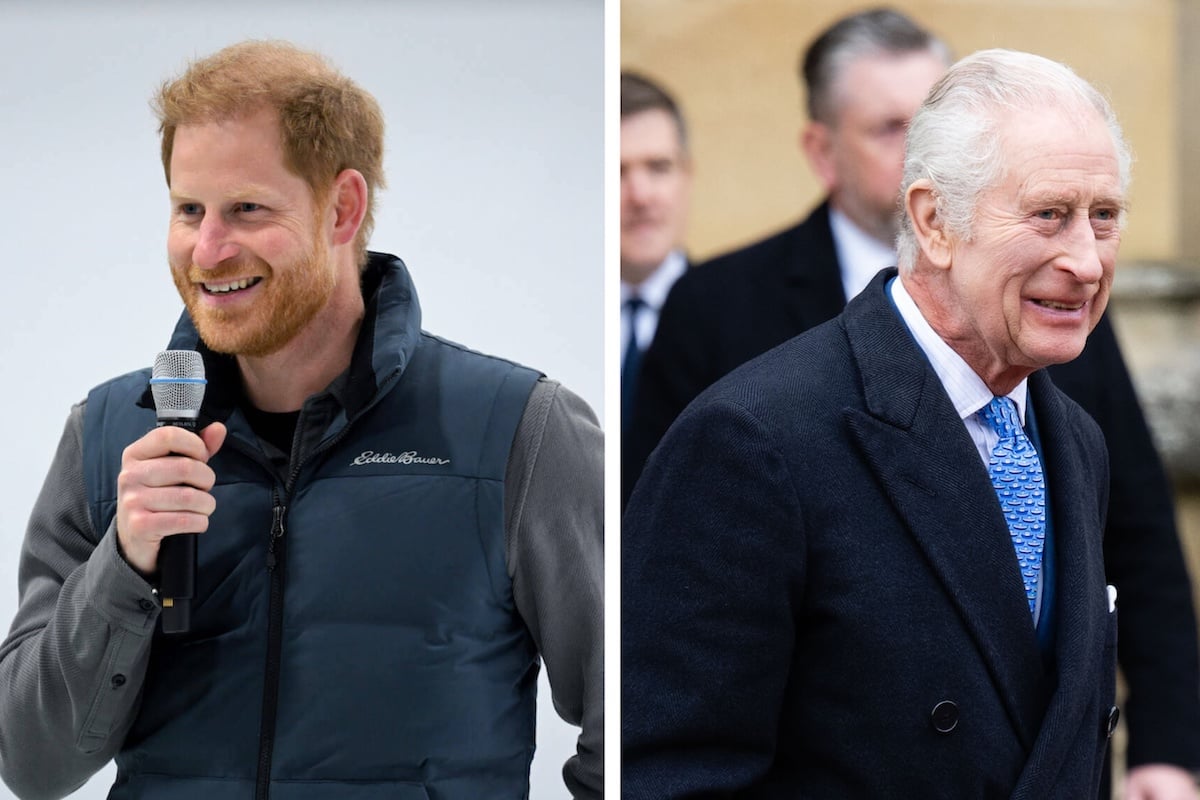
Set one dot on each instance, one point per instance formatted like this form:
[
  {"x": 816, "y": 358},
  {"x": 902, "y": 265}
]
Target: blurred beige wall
[{"x": 733, "y": 66}]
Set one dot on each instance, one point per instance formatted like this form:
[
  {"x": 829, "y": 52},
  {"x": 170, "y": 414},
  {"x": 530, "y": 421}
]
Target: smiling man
[
  {"x": 395, "y": 528},
  {"x": 869, "y": 562},
  {"x": 1012, "y": 272}
]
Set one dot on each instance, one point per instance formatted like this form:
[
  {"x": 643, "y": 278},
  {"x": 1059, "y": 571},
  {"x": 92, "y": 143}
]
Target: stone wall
[{"x": 1156, "y": 308}]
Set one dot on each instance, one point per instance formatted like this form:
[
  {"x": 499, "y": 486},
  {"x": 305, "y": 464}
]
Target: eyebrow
[
  {"x": 1058, "y": 199},
  {"x": 243, "y": 194},
  {"x": 1120, "y": 203}
]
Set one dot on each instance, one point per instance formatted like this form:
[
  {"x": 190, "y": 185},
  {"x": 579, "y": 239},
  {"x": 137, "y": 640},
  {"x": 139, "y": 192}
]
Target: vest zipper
[
  {"x": 266, "y": 736},
  {"x": 276, "y": 530},
  {"x": 276, "y": 558}
]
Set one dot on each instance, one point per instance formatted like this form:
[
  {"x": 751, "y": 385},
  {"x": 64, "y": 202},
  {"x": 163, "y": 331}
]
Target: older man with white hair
[{"x": 869, "y": 563}]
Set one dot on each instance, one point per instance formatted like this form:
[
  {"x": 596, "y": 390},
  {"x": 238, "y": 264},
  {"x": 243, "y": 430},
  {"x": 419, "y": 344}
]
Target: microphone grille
[{"x": 177, "y": 383}]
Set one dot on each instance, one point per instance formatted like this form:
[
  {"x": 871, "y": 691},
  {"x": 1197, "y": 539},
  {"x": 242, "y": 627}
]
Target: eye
[
  {"x": 661, "y": 166},
  {"x": 890, "y": 129},
  {"x": 1047, "y": 214},
  {"x": 246, "y": 207},
  {"x": 190, "y": 209},
  {"x": 1106, "y": 220}
]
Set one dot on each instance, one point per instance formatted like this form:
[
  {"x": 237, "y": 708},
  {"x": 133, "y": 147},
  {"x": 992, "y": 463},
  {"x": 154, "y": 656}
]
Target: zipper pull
[{"x": 276, "y": 535}]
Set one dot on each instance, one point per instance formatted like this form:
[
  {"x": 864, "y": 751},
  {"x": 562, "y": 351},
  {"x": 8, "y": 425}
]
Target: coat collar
[{"x": 812, "y": 288}]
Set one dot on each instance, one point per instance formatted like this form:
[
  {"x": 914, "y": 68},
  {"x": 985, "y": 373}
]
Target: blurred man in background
[{"x": 656, "y": 185}]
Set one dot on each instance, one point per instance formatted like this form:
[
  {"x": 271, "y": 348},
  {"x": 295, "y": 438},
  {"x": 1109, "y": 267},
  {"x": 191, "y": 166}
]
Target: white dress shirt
[
  {"x": 967, "y": 390},
  {"x": 860, "y": 256},
  {"x": 653, "y": 292}
]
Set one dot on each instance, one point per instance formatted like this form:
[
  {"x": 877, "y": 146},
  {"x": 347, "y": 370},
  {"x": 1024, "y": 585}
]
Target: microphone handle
[{"x": 177, "y": 567}]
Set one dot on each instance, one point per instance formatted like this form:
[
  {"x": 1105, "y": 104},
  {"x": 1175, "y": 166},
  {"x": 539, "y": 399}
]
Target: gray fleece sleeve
[
  {"x": 554, "y": 514},
  {"x": 73, "y": 663}
]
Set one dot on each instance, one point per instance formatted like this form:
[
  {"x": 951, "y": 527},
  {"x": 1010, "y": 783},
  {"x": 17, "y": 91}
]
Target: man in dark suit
[
  {"x": 827, "y": 590},
  {"x": 656, "y": 187},
  {"x": 740, "y": 305}
]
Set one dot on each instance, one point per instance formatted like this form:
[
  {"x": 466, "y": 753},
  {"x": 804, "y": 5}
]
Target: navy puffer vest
[{"x": 354, "y": 632}]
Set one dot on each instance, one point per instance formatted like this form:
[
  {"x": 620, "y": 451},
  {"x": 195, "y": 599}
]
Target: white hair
[{"x": 954, "y": 142}]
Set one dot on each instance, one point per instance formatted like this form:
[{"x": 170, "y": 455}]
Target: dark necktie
[
  {"x": 630, "y": 360},
  {"x": 1016, "y": 473}
]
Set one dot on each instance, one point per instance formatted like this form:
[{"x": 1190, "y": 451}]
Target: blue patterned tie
[{"x": 1016, "y": 473}]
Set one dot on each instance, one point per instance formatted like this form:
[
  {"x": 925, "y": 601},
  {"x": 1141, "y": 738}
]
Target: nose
[
  {"x": 1082, "y": 256},
  {"x": 636, "y": 187},
  {"x": 213, "y": 244}
]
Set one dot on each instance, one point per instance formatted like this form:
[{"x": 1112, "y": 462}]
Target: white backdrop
[{"x": 494, "y": 165}]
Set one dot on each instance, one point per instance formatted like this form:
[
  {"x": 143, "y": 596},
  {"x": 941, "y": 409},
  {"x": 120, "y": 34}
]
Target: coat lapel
[
  {"x": 1081, "y": 602},
  {"x": 917, "y": 446},
  {"x": 812, "y": 280}
]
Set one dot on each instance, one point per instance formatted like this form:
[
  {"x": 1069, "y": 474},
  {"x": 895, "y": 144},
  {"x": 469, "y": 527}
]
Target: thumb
[{"x": 213, "y": 437}]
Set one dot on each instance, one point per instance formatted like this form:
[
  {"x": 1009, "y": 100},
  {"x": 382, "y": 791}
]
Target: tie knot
[
  {"x": 1001, "y": 416},
  {"x": 634, "y": 304}
]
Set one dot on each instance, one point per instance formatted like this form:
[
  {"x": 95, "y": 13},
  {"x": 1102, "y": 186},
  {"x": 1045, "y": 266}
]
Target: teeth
[
  {"x": 1060, "y": 306},
  {"x": 222, "y": 288}
]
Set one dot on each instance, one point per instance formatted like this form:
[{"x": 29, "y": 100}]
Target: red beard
[{"x": 289, "y": 297}]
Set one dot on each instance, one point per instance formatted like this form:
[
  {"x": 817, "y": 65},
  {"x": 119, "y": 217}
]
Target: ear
[
  {"x": 349, "y": 200},
  {"x": 816, "y": 140},
  {"x": 920, "y": 202}
]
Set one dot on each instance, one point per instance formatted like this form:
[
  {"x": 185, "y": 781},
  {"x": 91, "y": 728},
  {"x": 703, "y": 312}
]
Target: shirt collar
[
  {"x": 966, "y": 389},
  {"x": 860, "y": 255},
  {"x": 655, "y": 288}
]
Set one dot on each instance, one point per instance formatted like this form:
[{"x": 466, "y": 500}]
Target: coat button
[
  {"x": 1110, "y": 723},
  {"x": 118, "y": 681},
  {"x": 145, "y": 605},
  {"x": 944, "y": 716}
]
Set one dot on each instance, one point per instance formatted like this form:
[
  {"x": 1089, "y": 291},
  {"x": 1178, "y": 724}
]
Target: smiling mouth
[{"x": 232, "y": 286}]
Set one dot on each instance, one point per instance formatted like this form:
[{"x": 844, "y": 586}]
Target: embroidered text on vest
[{"x": 409, "y": 457}]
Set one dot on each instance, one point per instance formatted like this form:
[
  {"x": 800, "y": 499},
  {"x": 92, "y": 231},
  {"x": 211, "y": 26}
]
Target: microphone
[{"x": 177, "y": 384}]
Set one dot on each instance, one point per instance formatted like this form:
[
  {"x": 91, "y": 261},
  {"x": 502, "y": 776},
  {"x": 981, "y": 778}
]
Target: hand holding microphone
[{"x": 163, "y": 488}]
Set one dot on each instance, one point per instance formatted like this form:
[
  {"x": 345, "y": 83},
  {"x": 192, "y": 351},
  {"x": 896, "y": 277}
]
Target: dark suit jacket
[
  {"x": 737, "y": 306},
  {"x": 725, "y": 312},
  {"x": 816, "y": 577}
]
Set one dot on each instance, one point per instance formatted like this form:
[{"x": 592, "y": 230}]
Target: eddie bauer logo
[{"x": 409, "y": 457}]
